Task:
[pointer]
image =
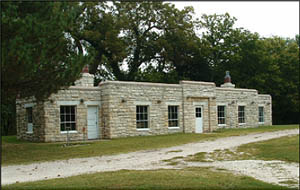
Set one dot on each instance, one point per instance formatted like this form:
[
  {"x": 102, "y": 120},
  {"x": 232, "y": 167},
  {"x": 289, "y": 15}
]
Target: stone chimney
[
  {"x": 227, "y": 81},
  {"x": 86, "y": 79}
]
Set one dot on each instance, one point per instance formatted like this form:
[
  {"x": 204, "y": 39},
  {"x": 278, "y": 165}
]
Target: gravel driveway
[{"x": 140, "y": 160}]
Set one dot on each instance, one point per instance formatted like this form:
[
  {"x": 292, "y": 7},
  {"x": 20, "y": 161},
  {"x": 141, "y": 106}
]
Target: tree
[
  {"x": 283, "y": 78},
  {"x": 38, "y": 55},
  {"x": 97, "y": 31},
  {"x": 133, "y": 35},
  {"x": 222, "y": 42},
  {"x": 270, "y": 65},
  {"x": 185, "y": 53}
]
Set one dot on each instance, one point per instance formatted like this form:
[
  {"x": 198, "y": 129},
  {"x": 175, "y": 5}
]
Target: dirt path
[
  {"x": 275, "y": 172},
  {"x": 141, "y": 160}
]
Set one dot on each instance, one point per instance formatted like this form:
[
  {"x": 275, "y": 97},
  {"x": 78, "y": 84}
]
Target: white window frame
[
  {"x": 173, "y": 119},
  {"x": 60, "y": 122},
  {"x": 244, "y": 115},
  {"x": 263, "y": 115},
  {"x": 29, "y": 124},
  {"x": 221, "y": 124},
  {"x": 142, "y": 120}
]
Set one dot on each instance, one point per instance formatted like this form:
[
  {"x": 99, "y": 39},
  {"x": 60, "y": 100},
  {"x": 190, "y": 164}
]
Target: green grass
[
  {"x": 199, "y": 157},
  {"x": 190, "y": 178},
  {"x": 21, "y": 152},
  {"x": 261, "y": 129},
  {"x": 284, "y": 148}
]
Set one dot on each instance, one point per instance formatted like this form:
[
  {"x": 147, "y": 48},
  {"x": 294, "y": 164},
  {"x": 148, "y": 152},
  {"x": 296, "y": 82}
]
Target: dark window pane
[
  {"x": 145, "y": 116},
  {"x": 173, "y": 116},
  {"x": 222, "y": 121},
  {"x": 73, "y": 126},
  {"x": 62, "y": 127},
  {"x": 141, "y": 116},
  {"x": 173, "y": 123},
  {"x": 29, "y": 114},
  {"x": 198, "y": 112},
  {"x": 241, "y": 114},
  {"x": 68, "y": 118},
  {"x": 68, "y": 109},
  {"x": 261, "y": 114},
  {"x": 72, "y": 109},
  {"x": 62, "y": 110},
  {"x": 221, "y": 114},
  {"x": 68, "y": 126}
]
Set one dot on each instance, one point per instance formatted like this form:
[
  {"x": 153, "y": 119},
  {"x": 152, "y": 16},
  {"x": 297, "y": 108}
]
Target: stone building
[{"x": 121, "y": 109}]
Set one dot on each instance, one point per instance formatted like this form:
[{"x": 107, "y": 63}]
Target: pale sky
[{"x": 266, "y": 18}]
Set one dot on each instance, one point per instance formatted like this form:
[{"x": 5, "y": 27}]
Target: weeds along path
[{"x": 140, "y": 160}]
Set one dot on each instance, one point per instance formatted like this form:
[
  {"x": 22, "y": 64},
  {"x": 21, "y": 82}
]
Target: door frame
[
  {"x": 201, "y": 107},
  {"x": 97, "y": 121}
]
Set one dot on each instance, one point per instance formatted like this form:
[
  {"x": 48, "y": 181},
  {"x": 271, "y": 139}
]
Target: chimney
[
  {"x": 86, "y": 79},
  {"x": 85, "y": 69},
  {"x": 227, "y": 81}
]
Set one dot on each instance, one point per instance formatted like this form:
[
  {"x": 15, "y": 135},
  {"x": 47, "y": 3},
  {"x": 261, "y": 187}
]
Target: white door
[
  {"x": 92, "y": 121},
  {"x": 199, "y": 120}
]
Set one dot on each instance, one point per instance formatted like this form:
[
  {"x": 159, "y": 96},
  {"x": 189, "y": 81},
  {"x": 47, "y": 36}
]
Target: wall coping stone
[
  {"x": 236, "y": 89},
  {"x": 197, "y": 82},
  {"x": 95, "y": 88},
  {"x": 265, "y": 95},
  {"x": 139, "y": 83}
]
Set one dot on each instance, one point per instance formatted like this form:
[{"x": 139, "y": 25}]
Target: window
[
  {"x": 221, "y": 115},
  {"x": 142, "y": 117},
  {"x": 67, "y": 118},
  {"x": 173, "y": 116},
  {"x": 261, "y": 115},
  {"x": 29, "y": 119},
  {"x": 198, "y": 112},
  {"x": 241, "y": 114}
]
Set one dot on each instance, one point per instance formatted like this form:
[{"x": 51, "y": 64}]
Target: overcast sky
[{"x": 265, "y": 18}]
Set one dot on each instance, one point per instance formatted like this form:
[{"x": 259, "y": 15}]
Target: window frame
[
  {"x": 139, "y": 117},
  {"x": 29, "y": 119},
  {"x": 223, "y": 117},
  {"x": 261, "y": 116},
  {"x": 243, "y": 116},
  {"x": 170, "y": 116},
  {"x": 66, "y": 121}
]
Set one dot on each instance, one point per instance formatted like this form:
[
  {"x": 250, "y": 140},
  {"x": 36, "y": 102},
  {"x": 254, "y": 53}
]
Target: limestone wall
[
  {"x": 234, "y": 97},
  {"x": 265, "y": 100},
  {"x": 81, "y": 97},
  {"x": 119, "y": 107},
  {"x": 117, "y": 103},
  {"x": 38, "y": 120},
  {"x": 199, "y": 94}
]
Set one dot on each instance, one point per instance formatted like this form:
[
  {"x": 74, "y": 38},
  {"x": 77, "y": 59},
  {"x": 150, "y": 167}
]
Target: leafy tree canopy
[{"x": 38, "y": 56}]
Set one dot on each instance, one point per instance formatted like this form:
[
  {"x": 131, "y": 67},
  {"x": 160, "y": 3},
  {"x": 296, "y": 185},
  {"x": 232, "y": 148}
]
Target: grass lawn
[
  {"x": 21, "y": 152},
  {"x": 190, "y": 178},
  {"x": 284, "y": 148}
]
